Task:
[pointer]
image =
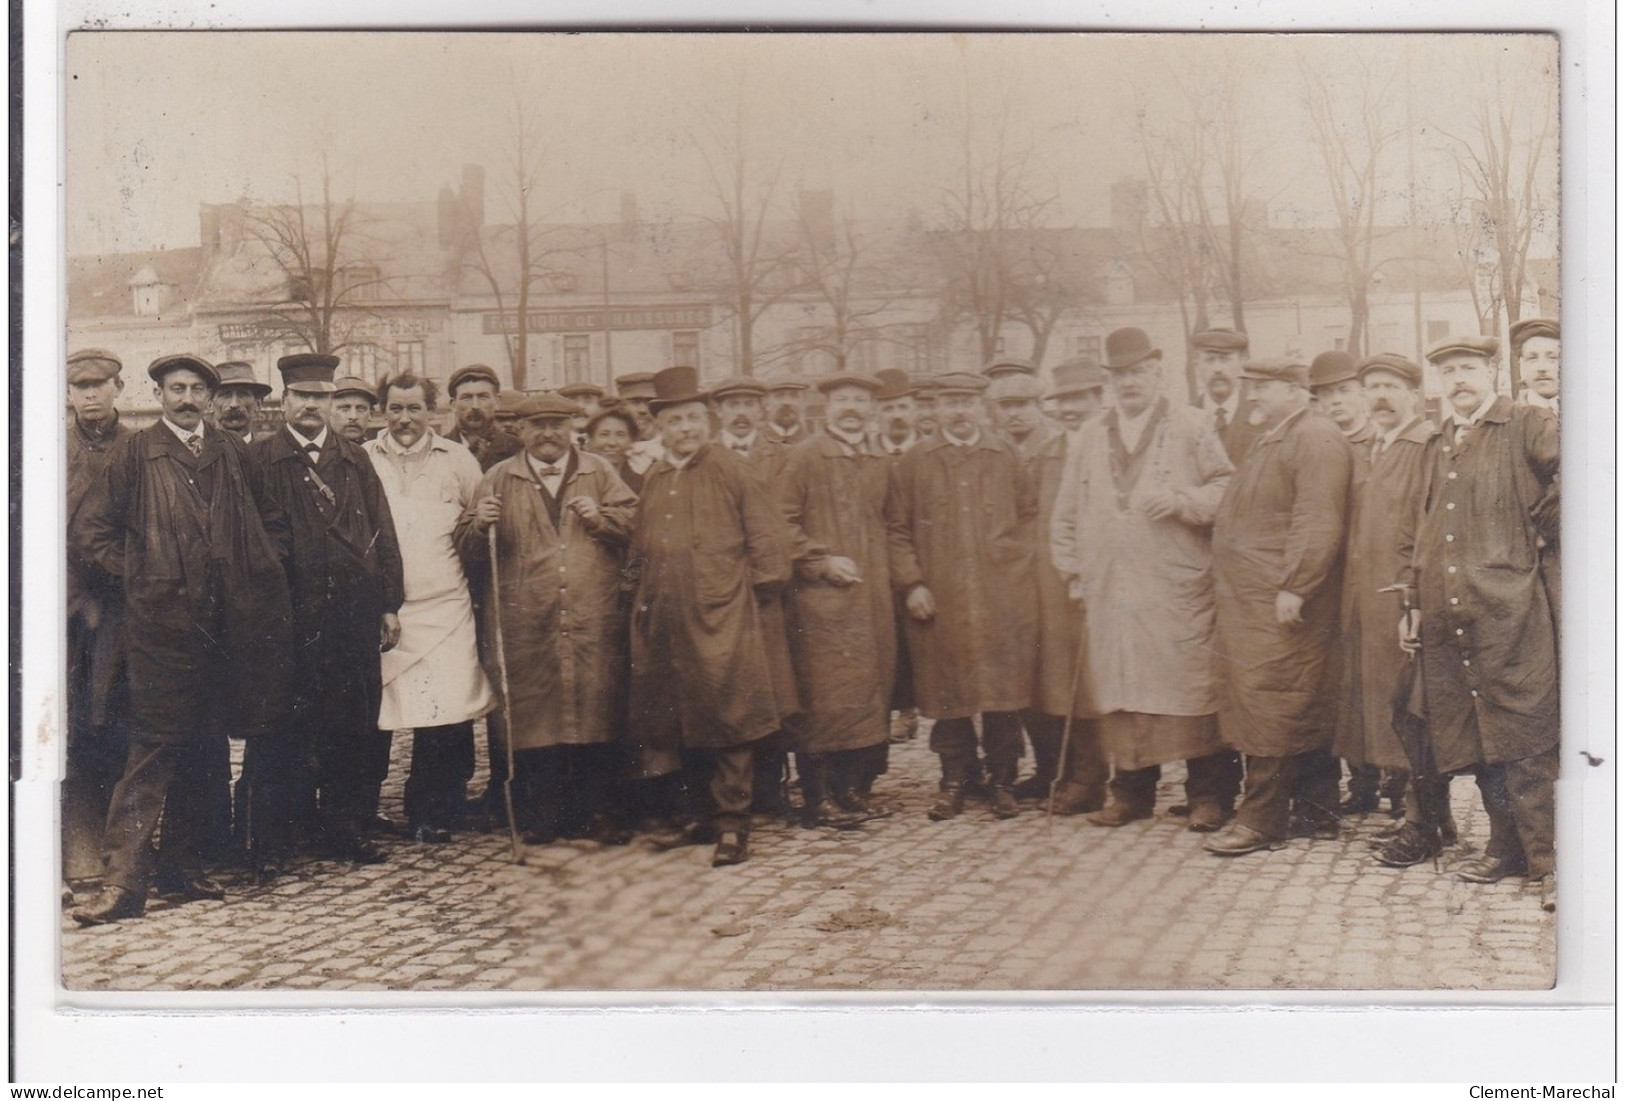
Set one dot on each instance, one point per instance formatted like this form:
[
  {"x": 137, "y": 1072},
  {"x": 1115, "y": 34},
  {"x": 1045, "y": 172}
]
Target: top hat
[
  {"x": 1126, "y": 347},
  {"x": 675, "y": 386}
]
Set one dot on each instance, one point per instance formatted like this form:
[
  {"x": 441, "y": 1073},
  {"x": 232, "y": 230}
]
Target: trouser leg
[
  {"x": 268, "y": 792},
  {"x": 1001, "y": 740},
  {"x": 1364, "y": 781},
  {"x": 538, "y": 790},
  {"x": 1136, "y": 787},
  {"x": 1267, "y": 802},
  {"x": 442, "y": 765},
  {"x": 137, "y": 804},
  {"x": 1044, "y": 732},
  {"x": 813, "y": 776},
  {"x": 341, "y": 784},
  {"x": 954, "y": 741},
  {"x": 1215, "y": 778},
  {"x": 732, "y": 773},
  {"x": 1085, "y": 766},
  {"x": 1314, "y": 789},
  {"x": 1504, "y": 843},
  {"x": 379, "y": 745},
  {"x": 1531, "y": 783},
  {"x": 771, "y": 767}
]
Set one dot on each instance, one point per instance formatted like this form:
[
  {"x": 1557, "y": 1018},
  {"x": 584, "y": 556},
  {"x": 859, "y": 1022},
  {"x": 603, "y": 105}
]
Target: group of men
[{"x": 668, "y": 601}]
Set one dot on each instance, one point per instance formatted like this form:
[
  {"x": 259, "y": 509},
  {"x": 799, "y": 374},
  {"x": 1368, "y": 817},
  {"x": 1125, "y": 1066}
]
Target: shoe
[
  {"x": 382, "y": 823},
  {"x": 950, "y": 801},
  {"x": 540, "y": 837},
  {"x": 1118, "y": 814},
  {"x": 1447, "y": 831},
  {"x": 1316, "y": 825},
  {"x": 1548, "y": 891},
  {"x": 827, "y": 812},
  {"x": 67, "y": 896},
  {"x": 1487, "y": 869},
  {"x": 431, "y": 835},
  {"x": 863, "y": 805},
  {"x": 1207, "y": 817},
  {"x": 1362, "y": 803},
  {"x": 1077, "y": 799},
  {"x": 1004, "y": 801},
  {"x": 905, "y": 725},
  {"x": 1411, "y": 844},
  {"x": 180, "y": 887},
  {"x": 355, "y": 850},
  {"x": 693, "y": 833},
  {"x": 1385, "y": 835},
  {"x": 731, "y": 849},
  {"x": 606, "y": 831},
  {"x": 1237, "y": 841},
  {"x": 112, "y": 904},
  {"x": 1034, "y": 788}
]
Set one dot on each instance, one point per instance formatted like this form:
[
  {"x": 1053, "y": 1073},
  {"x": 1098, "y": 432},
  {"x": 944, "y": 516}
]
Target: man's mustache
[
  {"x": 1382, "y": 405},
  {"x": 187, "y": 408}
]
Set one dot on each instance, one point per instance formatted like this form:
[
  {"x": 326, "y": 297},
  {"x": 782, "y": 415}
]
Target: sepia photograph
[{"x": 845, "y": 513}]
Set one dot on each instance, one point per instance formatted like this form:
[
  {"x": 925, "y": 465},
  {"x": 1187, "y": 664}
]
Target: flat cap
[
  {"x": 959, "y": 382},
  {"x": 581, "y": 390},
  {"x": 847, "y": 378},
  {"x": 1331, "y": 368},
  {"x": 472, "y": 371},
  {"x": 237, "y": 373},
  {"x": 1220, "y": 340},
  {"x": 784, "y": 382},
  {"x": 1485, "y": 347},
  {"x": 1009, "y": 365},
  {"x": 638, "y": 384},
  {"x": 93, "y": 365},
  {"x": 1398, "y": 364},
  {"x": 894, "y": 383},
  {"x": 536, "y": 406},
  {"x": 738, "y": 384},
  {"x": 1077, "y": 376},
  {"x": 348, "y": 384},
  {"x": 1016, "y": 388},
  {"x": 508, "y": 403},
  {"x": 1283, "y": 370},
  {"x": 1533, "y": 326},
  {"x": 161, "y": 366},
  {"x": 1126, "y": 347},
  {"x": 312, "y": 371}
]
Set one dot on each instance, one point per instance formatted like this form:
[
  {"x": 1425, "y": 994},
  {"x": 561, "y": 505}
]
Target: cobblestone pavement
[{"x": 903, "y": 904}]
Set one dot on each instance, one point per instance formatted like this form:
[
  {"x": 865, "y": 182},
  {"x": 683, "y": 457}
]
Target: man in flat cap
[
  {"x": 345, "y": 577},
  {"x": 1373, "y": 667},
  {"x": 353, "y": 405},
  {"x": 98, "y": 698},
  {"x": 1538, "y": 349},
  {"x": 925, "y": 407},
  {"x": 894, "y": 434},
  {"x": 562, "y": 518},
  {"x": 181, "y": 518},
  {"x": 433, "y": 684},
  {"x": 1485, "y": 632},
  {"x": 1277, "y": 548},
  {"x": 738, "y": 403},
  {"x": 710, "y": 544},
  {"x": 1220, "y": 354},
  {"x": 1003, "y": 367},
  {"x": 236, "y": 403},
  {"x": 786, "y": 404},
  {"x": 961, "y": 534},
  {"x": 833, "y": 489},
  {"x": 1131, "y": 537},
  {"x": 472, "y": 392},
  {"x": 588, "y": 395},
  {"x": 1018, "y": 412}
]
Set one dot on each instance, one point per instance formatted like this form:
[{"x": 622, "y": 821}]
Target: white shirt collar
[
  {"x": 782, "y": 433},
  {"x": 320, "y": 439},
  {"x": 854, "y": 441},
  {"x": 1230, "y": 405},
  {"x": 1477, "y": 414},
  {"x": 976, "y": 438},
  {"x": 1534, "y": 399},
  {"x": 387, "y": 442},
  {"x": 536, "y": 465},
  {"x": 182, "y": 434},
  {"x": 738, "y": 442}
]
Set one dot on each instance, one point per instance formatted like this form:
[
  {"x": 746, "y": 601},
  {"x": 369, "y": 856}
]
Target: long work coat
[
  {"x": 432, "y": 677},
  {"x": 843, "y": 640},
  {"x": 1060, "y": 621},
  {"x": 1489, "y": 647},
  {"x": 1373, "y": 665},
  {"x": 344, "y": 573},
  {"x": 1280, "y": 528},
  {"x": 962, "y": 524},
  {"x": 198, "y": 544},
  {"x": 558, "y": 600},
  {"x": 1148, "y": 584},
  {"x": 709, "y": 549},
  {"x": 95, "y": 602}
]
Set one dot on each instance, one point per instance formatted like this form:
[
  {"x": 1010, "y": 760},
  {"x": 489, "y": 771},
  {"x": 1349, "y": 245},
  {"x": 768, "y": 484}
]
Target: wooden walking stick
[
  {"x": 1066, "y": 729},
  {"x": 507, "y": 711}
]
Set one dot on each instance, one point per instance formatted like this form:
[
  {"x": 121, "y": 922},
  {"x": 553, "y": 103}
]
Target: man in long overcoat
[
  {"x": 235, "y": 405},
  {"x": 1488, "y": 511},
  {"x": 98, "y": 685},
  {"x": 833, "y": 489},
  {"x": 1537, "y": 346},
  {"x": 1018, "y": 411},
  {"x": 1131, "y": 535},
  {"x": 433, "y": 684},
  {"x": 709, "y": 548},
  {"x": 1277, "y": 550},
  {"x": 344, "y": 575},
  {"x": 562, "y": 518},
  {"x": 962, "y": 547},
  {"x": 1060, "y": 690},
  {"x": 181, "y": 517},
  {"x": 895, "y": 432}
]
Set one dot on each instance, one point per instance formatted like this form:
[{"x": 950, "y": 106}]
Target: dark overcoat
[
  {"x": 344, "y": 573},
  {"x": 489, "y": 449},
  {"x": 843, "y": 640},
  {"x": 1372, "y": 664},
  {"x": 1060, "y": 619},
  {"x": 708, "y": 549},
  {"x": 199, "y": 545},
  {"x": 95, "y": 601},
  {"x": 1280, "y": 528},
  {"x": 1489, "y": 645},
  {"x": 559, "y": 600},
  {"x": 962, "y": 524}
]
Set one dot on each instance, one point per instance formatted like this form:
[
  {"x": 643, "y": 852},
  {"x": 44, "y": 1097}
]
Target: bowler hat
[
  {"x": 959, "y": 382},
  {"x": 93, "y": 365},
  {"x": 1220, "y": 340},
  {"x": 312, "y": 371},
  {"x": 545, "y": 405},
  {"x": 675, "y": 386},
  {"x": 1331, "y": 368},
  {"x": 638, "y": 384},
  {"x": 1077, "y": 376},
  {"x": 1283, "y": 370},
  {"x": 894, "y": 384},
  {"x": 238, "y": 373},
  {"x": 1126, "y": 347},
  {"x": 581, "y": 390},
  {"x": 848, "y": 378},
  {"x": 1485, "y": 347},
  {"x": 1398, "y": 364},
  {"x": 1532, "y": 326},
  {"x": 344, "y": 384},
  {"x": 738, "y": 384},
  {"x": 1009, "y": 365},
  {"x": 161, "y": 366},
  {"x": 472, "y": 371}
]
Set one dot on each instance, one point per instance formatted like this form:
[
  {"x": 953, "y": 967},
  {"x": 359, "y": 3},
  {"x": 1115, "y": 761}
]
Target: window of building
[
  {"x": 998, "y": 346},
  {"x": 685, "y": 350},
  {"x": 362, "y": 361},
  {"x": 577, "y": 357},
  {"x": 409, "y": 356},
  {"x": 361, "y": 283},
  {"x": 1086, "y": 346},
  {"x": 1437, "y": 331}
]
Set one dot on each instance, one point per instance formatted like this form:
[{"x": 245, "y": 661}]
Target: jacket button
[
  {"x": 1450, "y": 506},
  {"x": 1450, "y": 539},
  {"x": 1455, "y": 600},
  {"x": 1450, "y": 569},
  {"x": 1459, "y": 631},
  {"x": 1451, "y": 475}
]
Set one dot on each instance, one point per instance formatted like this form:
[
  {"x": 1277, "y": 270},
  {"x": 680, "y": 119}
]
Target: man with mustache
[
  {"x": 236, "y": 401},
  {"x": 588, "y": 395},
  {"x": 1220, "y": 354},
  {"x": 634, "y": 391},
  {"x": 1017, "y": 406},
  {"x": 1538, "y": 348},
  {"x": 893, "y": 435},
  {"x": 786, "y": 405},
  {"x": 432, "y": 681},
  {"x": 472, "y": 391},
  {"x": 925, "y": 408},
  {"x": 345, "y": 577},
  {"x": 181, "y": 518},
  {"x": 1484, "y": 630},
  {"x": 961, "y": 532},
  {"x": 353, "y": 405},
  {"x": 710, "y": 546},
  {"x": 1277, "y": 542},
  {"x": 1131, "y": 539},
  {"x": 833, "y": 489}
]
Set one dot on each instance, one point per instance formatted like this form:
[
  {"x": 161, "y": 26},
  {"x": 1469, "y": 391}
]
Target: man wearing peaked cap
[
  {"x": 353, "y": 404},
  {"x": 1334, "y": 382},
  {"x": 1004, "y": 366},
  {"x": 786, "y": 407},
  {"x": 895, "y": 433},
  {"x": 1277, "y": 541},
  {"x": 1078, "y": 388},
  {"x": 472, "y": 391},
  {"x": 236, "y": 401},
  {"x": 738, "y": 402},
  {"x": 1018, "y": 413},
  {"x": 589, "y": 396},
  {"x": 1219, "y": 355},
  {"x": 635, "y": 391},
  {"x": 1537, "y": 349}
]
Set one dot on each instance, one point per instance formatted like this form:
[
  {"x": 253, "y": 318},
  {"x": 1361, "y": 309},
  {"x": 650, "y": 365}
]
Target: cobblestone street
[{"x": 903, "y": 904}]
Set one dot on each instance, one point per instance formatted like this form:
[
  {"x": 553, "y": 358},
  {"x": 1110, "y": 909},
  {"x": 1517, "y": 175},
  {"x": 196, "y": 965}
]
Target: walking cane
[
  {"x": 1066, "y": 729},
  {"x": 507, "y": 711}
]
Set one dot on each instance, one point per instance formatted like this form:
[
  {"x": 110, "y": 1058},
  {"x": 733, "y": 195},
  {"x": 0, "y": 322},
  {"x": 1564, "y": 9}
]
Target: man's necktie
[
  {"x": 312, "y": 450},
  {"x": 1221, "y": 419},
  {"x": 195, "y": 443},
  {"x": 550, "y": 472}
]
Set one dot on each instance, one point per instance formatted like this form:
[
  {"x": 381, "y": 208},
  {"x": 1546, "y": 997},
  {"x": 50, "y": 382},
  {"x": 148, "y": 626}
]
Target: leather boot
[
  {"x": 1046, "y": 744},
  {"x": 1004, "y": 795},
  {"x": 951, "y": 792},
  {"x": 821, "y": 808},
  {"x": 112, "y": 904}
]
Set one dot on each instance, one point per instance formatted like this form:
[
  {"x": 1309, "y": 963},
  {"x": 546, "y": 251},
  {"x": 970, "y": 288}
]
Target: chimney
[
  {"x": 473, "y": 196},
  {"x": 629, "y": 214},
  {"x": 208, "y": 231},
  {"x": 818, "y": 214}
]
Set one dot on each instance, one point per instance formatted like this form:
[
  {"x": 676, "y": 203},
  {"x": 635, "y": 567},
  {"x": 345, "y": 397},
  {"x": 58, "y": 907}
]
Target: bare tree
[
  {"x": 328, "y": 268},
  {"x": 1351, "y": 134}
]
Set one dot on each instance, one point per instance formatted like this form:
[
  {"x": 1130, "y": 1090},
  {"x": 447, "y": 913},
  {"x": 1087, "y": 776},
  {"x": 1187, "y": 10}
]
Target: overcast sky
[{"x": 159, "y": 122}]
